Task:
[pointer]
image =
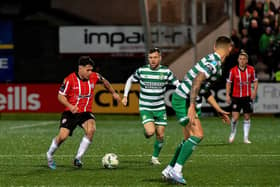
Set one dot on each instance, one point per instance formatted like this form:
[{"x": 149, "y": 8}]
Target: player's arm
[
  {"x": 228, "y": 88},
  {"x": 198, "y": 80},
  {"x": 62, "y": 93},
  {"x": 126, "y": 89},
  {"x": 224, "y": 115},
  {"x": 173, "y": 80},
  {"x": 109, "y": 87},
  {"x": 254, "y": 93},
  {"x": 63, "y": 100}
]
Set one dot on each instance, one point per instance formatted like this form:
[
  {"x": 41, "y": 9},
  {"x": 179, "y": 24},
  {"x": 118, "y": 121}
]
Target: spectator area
[{"x": 258, "y": 34}]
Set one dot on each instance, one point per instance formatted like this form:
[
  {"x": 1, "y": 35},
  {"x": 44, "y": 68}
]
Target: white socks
[
  {"x": 83, "y": 147},
  {"x": 52, "y": 148},
  {"x": 246, "y": 128},
  {"x": 233, "y": 125},
  {"x": 178, "y": 168}
]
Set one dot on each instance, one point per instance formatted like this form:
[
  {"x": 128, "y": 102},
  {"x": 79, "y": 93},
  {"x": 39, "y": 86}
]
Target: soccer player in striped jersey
[
  {"x": 76, "y": 94},
  {"x": 241, "y": 77},
  {"x": 186, "y": 101},
  {"x": 153, "y": 79}
]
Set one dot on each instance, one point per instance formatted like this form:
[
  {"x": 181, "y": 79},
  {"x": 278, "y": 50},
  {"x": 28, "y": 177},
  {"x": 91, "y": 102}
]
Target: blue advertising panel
[
  {"x": 6, "y": 67},
  {"x": 6, "y": 35}
]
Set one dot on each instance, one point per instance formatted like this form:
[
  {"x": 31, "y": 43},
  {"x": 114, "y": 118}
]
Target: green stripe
[
  {"x": 153, "y": 80},
  {"x": 152, "y": 94},
  {"x": 152, "y": 107},
  {"x": 151, "y": 100}
]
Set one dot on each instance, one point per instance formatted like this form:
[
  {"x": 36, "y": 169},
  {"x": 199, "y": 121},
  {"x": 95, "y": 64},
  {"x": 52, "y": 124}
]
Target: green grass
[{"x": 214, "y": 162}]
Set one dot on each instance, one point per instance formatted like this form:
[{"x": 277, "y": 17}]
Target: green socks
[
  {"x": 157, "y": 147},
  {"x": 176, "y": 154},
  {"x": 187, "y": 149}
]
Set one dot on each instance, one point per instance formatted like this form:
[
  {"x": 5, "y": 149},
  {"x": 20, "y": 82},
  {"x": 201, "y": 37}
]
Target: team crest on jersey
[
  {"x": 161, "y": 76},
  {"x": 91, "y": 85},
  {"x": 214, "y": 63},
  {"x": 63, "y": 120}
]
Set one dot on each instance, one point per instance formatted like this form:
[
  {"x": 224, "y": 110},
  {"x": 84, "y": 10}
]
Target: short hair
[
  {"x": 243, "y": 53},
  {"x": 155, "y": 49},
  {"x": 85, "y": 60},
  {"x": 223, "y": 41}
]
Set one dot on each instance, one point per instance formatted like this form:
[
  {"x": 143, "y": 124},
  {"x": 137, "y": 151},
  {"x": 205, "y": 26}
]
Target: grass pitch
[{"x": 214, "y": 163}]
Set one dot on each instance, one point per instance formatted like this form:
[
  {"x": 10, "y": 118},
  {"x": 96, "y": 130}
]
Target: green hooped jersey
[
  {"x": 210, "y": 66},
  {"x": 153, "y": 85}
]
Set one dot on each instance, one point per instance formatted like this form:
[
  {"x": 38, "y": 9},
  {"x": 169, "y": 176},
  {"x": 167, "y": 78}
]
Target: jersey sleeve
[
  {"x": 209, "y": 68},
  {"x": 172, "y": 79},
  {"x": 95, "y": 77},
  {"x": 254, "y": 77},
  {"x": 65, "y": 87},
  {"x": 136, "y": 76}
]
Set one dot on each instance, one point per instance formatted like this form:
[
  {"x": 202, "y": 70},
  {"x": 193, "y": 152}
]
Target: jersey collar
[
  {"x": 218, "y": 57},
  {"x": 241, "y": 69},
  {"x": 80, "y": 77},
  {"x": 156, "y": 68}
]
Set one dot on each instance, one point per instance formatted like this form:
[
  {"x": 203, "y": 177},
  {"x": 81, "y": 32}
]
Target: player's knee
[
  {"x": 90, "y": 132},
  {"x": 148, "y": 134},
  {"x": 160, "y": 137},
  {"x": 61, "y": 138}
]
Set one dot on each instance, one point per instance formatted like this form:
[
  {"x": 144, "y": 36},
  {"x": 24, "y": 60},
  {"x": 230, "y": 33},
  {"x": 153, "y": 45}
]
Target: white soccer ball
[{"x": 110, "y": 161}]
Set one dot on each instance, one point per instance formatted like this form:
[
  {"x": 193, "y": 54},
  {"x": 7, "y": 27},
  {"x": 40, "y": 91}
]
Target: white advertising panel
[
  {"x": 268, "y": 99},
  {"x": 118, "y": 39}
]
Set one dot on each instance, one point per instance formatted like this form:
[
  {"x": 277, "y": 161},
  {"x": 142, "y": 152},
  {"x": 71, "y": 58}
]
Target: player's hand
[
  {"x": 124, "y": 101},
  {"x": 253, "y": 96},
  {"x": 228, "y": 100},
  {"x": 225, "y": 116},
  {"x": 192, "y": 114},
  {"x": 74, "y": 109},
  {"x": 117, "y": 97}
]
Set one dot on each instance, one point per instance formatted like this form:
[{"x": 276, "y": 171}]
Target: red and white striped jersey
[
  {"x": 79, "y": 92},
  {"x": 242, "y": 80}
]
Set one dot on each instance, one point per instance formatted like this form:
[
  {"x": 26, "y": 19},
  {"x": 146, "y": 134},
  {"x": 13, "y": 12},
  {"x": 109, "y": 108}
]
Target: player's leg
[
  {"x": 161, "y": 123},
  {"x": 246, "y": 128},
  {"x": 56, "y": 142},
  {"x": 89, "y": 127},
  {"x": 196, "y": 135},
  {"x": 233, "y": 125},
  {"x": 67, "y": 126},
  {"x": 236, "y": 108},
  {"x": 158, "y": 144},
  {"x": 180, "y": 108},
  {"x": 147, "y": 119},
  {"x": 247, "y": 109}
]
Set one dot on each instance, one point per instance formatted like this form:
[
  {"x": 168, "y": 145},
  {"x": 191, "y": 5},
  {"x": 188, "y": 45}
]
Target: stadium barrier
[{"x": 43, "y": 98}]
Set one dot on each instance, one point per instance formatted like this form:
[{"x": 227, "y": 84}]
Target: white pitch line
[
  {"x": 144, "y": 155},
  {"x": 45, "y": 123}
]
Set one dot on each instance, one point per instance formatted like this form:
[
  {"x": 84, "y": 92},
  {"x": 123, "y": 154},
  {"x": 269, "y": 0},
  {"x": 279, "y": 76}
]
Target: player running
[
  {"x": 76, "y": 94},
  {"x": 187, "y": 100},
  {"x": 153, "y": 79},
  {"x": 242, "y": 76}
]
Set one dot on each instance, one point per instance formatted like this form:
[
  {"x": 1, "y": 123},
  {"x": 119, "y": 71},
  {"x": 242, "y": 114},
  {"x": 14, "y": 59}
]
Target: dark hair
[
  {"x": 155, "y": 49},
  {"x": 222, "y": 41},
  {"x": 85, "y": 60}
]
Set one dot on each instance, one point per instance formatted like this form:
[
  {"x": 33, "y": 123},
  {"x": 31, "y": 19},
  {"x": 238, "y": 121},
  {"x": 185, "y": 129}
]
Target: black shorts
[
  {"x": 244, "y": 103},
  {"x": 70, "y": 121}
]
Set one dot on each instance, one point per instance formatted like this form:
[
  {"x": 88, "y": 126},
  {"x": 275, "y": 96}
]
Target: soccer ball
[{"x": 110, "y": 161}]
